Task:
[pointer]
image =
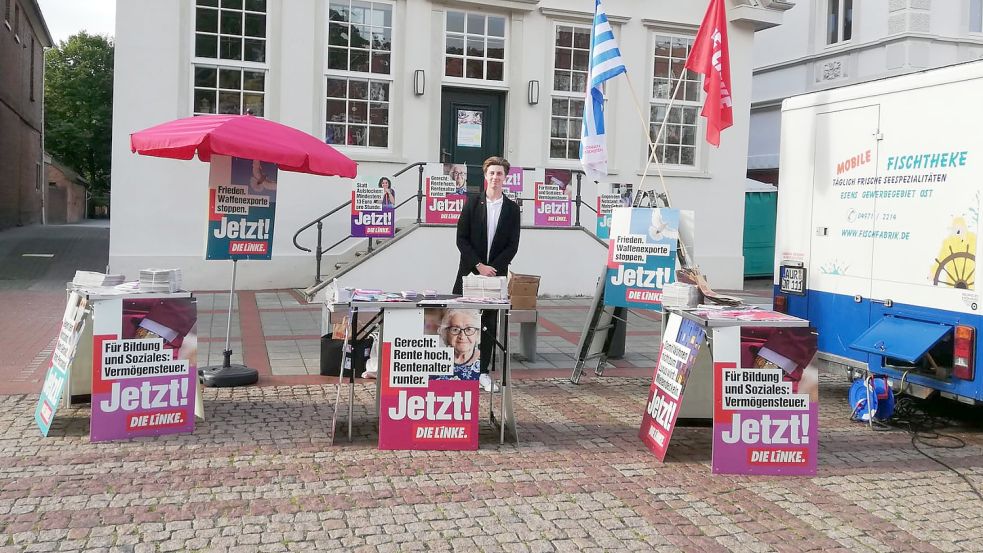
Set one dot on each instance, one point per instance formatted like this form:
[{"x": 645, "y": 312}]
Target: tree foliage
[{"x": 78, "y": 96}]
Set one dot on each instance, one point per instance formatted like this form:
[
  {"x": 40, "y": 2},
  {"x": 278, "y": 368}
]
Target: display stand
[
  {"x": 395, "y": 330},
  {"x": 140, "y": 382},
  {"x": 764, "y": 415}
]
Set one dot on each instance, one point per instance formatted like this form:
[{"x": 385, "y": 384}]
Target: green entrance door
[{"x": 471, "y": 129}]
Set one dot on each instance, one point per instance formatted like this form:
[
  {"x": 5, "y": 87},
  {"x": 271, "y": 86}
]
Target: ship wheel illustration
[{"x": 958, "y": 269}]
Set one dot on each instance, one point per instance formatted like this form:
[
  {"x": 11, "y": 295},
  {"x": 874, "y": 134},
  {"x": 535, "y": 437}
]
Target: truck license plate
[{"x": 793, "y": 280}]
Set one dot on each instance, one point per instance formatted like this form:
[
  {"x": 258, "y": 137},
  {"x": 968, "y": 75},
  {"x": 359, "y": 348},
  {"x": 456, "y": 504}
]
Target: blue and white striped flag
[{"x": 605, "y": 63}]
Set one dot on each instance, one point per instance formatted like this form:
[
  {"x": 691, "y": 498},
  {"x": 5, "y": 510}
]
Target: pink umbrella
[
  {"x": 242, "y": 136},
  {"x": 248, "y": 137}
]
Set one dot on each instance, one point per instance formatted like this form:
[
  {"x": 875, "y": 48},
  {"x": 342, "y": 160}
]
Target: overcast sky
[{"x": 67, "y": 17}]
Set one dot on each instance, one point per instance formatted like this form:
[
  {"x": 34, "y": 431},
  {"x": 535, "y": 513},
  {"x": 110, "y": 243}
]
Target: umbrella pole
[
  {"x": 227, "y": 352},
  {"x": 228, "y": 374}
]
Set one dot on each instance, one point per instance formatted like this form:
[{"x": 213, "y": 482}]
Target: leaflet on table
[
  {"x": 56, "y": 379},
  {"x": 552, "y": 202},
  {"x": 748, "y": 313},
  {"x": 241, "y": 208},
  {"x": 766, "y": 405},
  {"x": 144, "y": 368},
  {"x": 641, "y": 256},
  {"x": 373, "y": 208},
  {"x": 680, "y": 346},
  {"x": 428, "y": 395},
  {"x": 445, "y": 189}
]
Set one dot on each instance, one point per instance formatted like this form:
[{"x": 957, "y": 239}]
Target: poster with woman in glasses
[{"x": 428, "y": 379}]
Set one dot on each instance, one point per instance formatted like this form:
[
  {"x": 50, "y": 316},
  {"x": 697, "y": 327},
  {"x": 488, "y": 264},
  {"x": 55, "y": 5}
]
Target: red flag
[{"x": 711, "y": 58}]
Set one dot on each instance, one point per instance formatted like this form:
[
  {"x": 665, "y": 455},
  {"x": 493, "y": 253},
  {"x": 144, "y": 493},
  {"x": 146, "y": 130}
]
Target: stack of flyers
[
  {"x": 91, "y": 279},
  {"x": 160, "y": 280}
]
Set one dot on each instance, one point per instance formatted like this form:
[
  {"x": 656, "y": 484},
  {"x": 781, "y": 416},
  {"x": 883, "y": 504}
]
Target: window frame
[
  {"x": 470, "y": 81},
  {"x": 566, "y": 95},
  {"x": 840, "y": 23},
  {"x": 978, "y": 22},
  {"x": 699, "y": 126},
  {"x": 348, "y": 75},
  {"x": 220, "y": 63}
]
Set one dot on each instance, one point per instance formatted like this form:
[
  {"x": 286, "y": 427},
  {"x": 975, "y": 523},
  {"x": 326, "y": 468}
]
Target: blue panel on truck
[
  {"x": 839, "y": 320},
  {"x": 899, "y": 338}
]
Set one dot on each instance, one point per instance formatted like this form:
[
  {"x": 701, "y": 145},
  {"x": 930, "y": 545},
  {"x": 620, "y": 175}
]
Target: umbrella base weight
[{"x": 228, "y": 376}]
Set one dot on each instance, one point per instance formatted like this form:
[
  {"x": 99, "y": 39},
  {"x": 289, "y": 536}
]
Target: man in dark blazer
[{"x": 488, "y": 239}]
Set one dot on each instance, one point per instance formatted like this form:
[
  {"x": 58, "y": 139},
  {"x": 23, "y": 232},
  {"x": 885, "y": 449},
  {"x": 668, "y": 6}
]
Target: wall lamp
[
  {"x": 419, "y": 82},
  {"x": 532, "y": 93}
]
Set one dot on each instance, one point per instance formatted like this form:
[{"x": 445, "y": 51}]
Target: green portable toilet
[{"x": 760, "y": 205}]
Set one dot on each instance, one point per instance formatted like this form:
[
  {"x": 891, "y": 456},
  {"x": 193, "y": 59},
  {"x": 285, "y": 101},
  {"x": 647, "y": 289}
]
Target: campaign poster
[
  {"x": 241, "y": 208},
  {"x": 513, "y": 183},
  {"x": 144, "y": 367},
  {"x": 766, "y": 405},
  {"x": 641, "y": 256},
  {"x": 680, "y": 346},
  {"x": 373, "y": 208},
  {"x": 605, "y": 207},
  {"x": 428, "y": 380},
  {"x": 56, "y": 379},
  {"x": 552, "y": 201},
  {"x": 445, "y": 187}
]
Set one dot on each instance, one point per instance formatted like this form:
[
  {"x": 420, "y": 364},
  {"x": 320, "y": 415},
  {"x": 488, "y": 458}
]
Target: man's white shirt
[{"x": 493, "y": 210}]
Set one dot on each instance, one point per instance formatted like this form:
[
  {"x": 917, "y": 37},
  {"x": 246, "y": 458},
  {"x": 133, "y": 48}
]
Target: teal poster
[{"x": 641, "y": 256}]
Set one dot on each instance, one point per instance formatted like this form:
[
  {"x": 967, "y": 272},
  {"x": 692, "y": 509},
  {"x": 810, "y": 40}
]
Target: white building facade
[
  {"x": 825, "y": 44},
  {"x": 380, "y": 81}
]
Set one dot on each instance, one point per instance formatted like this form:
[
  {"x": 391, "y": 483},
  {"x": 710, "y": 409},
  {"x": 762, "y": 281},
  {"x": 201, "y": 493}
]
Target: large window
[
  {"x": 571, "y": 53},
  {"x": 475, "y": 46},
  {"x": 975, "y": 16},
  {"x": 677, "y": 143},
  {"x": 839, "y": 20},
  {"x": 358, "y": 78},
  {"x": 230, "y": 57}
]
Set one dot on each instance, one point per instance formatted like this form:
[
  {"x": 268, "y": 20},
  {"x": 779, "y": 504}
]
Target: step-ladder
[{"x": 598, "y": 334}]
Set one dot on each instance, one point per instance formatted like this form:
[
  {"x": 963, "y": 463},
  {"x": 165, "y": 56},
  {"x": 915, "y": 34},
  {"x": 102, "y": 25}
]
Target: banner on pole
[{"x": 241, "y": 208}]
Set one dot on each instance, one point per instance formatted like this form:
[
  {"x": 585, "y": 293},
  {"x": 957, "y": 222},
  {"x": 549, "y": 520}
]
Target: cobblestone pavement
[{"x": 259, "y": 475}]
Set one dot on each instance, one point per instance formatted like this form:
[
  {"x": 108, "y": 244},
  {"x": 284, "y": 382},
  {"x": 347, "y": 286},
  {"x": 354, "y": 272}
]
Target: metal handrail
[{"x": 319, "y": 222}]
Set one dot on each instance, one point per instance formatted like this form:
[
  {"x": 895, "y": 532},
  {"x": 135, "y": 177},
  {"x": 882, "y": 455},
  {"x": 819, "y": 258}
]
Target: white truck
[{"x": 879, "y": 203}]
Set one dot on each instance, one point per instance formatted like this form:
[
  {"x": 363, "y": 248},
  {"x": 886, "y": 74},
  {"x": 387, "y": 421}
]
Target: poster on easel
[
  {"x": 373, "y": 208},
  {"x": 680, "y": 346},
  {"x": 241, "y": 208},
  {"x": 641, "y": 256},
  {"x": 766, "y": 404},
  {"x": 428, "y": 379},
  {"x": 445, "y": 187},
  {"x": 56, "y": 379},
  {"x": 144, "y": 367}
]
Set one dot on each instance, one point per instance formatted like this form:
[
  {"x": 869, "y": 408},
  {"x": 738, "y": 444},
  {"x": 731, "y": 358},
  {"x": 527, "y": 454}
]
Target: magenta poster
[
  {"x": 373, "y": 208},
  {"x": 552, "y": 201},
  {"x": 513, "y": 182},
  {"x": 428, "y": 393},
  {"x": 445, "y": 188},
  {"x": 766, "y": 407},
  {"x": 144, "y": 367}
]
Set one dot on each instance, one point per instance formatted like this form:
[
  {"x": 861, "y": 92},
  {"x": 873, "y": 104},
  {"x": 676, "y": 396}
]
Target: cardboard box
[
  {"x": 523, "y": 290},
  {"x": 523, "y": 302}
]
